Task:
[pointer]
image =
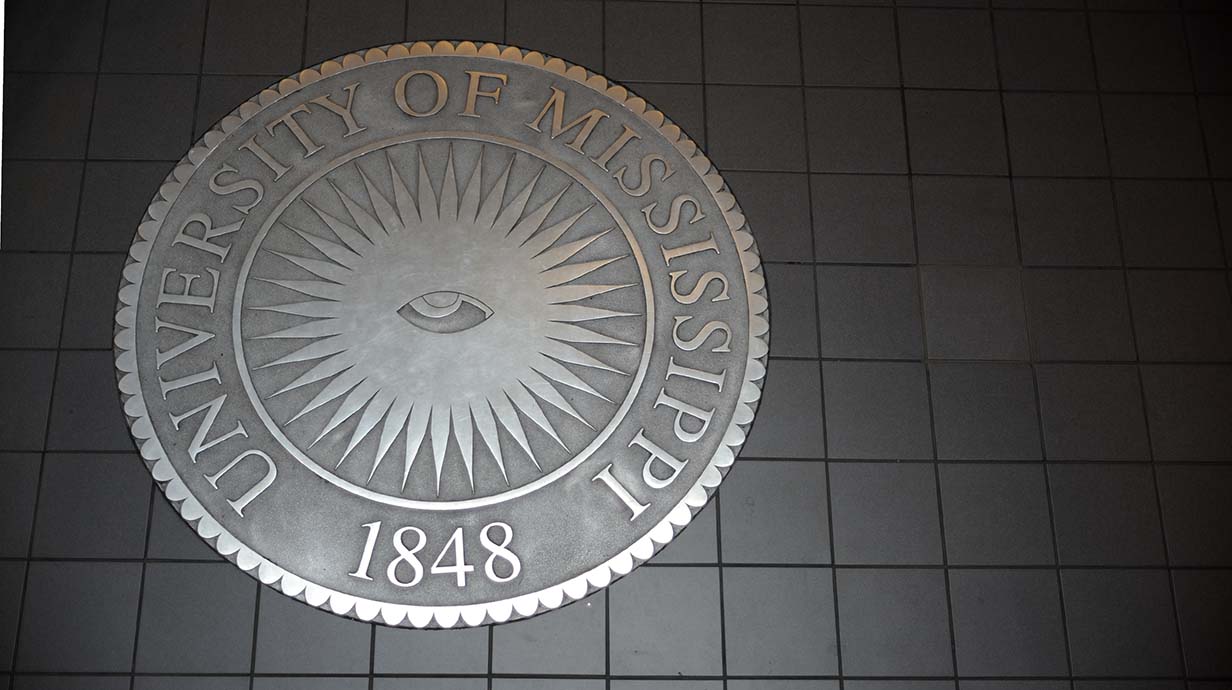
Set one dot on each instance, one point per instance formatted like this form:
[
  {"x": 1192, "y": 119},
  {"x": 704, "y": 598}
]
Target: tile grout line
[
  {"x": 814, "y": 279},
  {"x": 715, "y": 499},
  {"x": 1133, "y": 329},
  {"x": 55, "y": 367},
  {"x": 154, "y": 488},
  {"x": 1032, "y": 354},
  {"x": 932, "y": 425}
]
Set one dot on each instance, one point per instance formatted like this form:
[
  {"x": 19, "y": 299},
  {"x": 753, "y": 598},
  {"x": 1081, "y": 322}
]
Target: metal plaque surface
[{"x": 441, "y": 334}]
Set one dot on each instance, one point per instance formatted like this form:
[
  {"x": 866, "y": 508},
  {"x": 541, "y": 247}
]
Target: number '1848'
[{"x": 406, "y": 570}]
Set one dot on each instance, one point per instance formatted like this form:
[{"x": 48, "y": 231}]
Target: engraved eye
[{"x": 445, "y": 312}]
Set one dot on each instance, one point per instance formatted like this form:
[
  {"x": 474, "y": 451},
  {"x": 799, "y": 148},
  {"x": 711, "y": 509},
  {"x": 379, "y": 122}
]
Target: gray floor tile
[
  {"x": 1153, "y": 135},
  {"x": 956, "y": 132},
  {"x": 1136, "y": 604},
  {"x": 32, "y": 299},
  {"x": 138, "y": 39},
  {"x": 12, "y": 580},
  {"x": 947, "y": 49},
  {"x": 1193, "y": 498},
  {"x": 869, "y": 311},
  {"x": 1188, "y": 411},
  {"x": 1055, "y": 134},
  {"x": 52, "y": 682},
  {"x": 570, "y": 640},
  {"x": 574, "y": 34},
  {"x": 551, "y": 684},
  {"x": 337, "y": 28},
  {"x": 86, "y": 414},
  {"x": 659, "y": 685},
  {"x": 217, "y": 598},
  {"x": 1092, "y": 412},
  {"x": 1215, "y": 112},
  {"x": 1067, "y": 222},
  {"x": 401, "y": 650},
  {"x": 1014, "y": 685},
  {"x": 472, "y": 20},
  {"x": 855, "y": 131},
  {"x": 54, "y": 117},
  {"x": 1043, "y": 50},
  {"x": 1207, "y": 36},
  {"x": 25, "y": 398},
  {"x": 1168, "y": 223},
  {"x": 848, "y": 46},
  {"x": 237, "y": 36},
  {"x": 780, "y": 621},
  {"x": 652, "y": 42},
  {"x": 40, "y": 204},
  {"x": 1007, "y": 622},
  {"x": 92, "y": 506},
  {"x": 218, "y": 95},
  {"x": 665, "y": 621},
  {"x": 777, "y": 208},
  {"x": 996, "y": 514},
  {"x": 17, "y": 497},
  {"x": 73, "y": 26},
  {"x": 1140, "y": 52},
  {"x": 302, "y": 683},
  {"x": 884, "y": 514},
  {"x": 894, "y": 623},
  {"x": 171, "y": 537},
  {"x": 1106, "y": 515},
  {"x": 142, "y": 117},
  {"x": 431, "y": 684},
  {"x": 793, "y": 330},
  {"x": 789, "y": 421},
  {"x": 776, "y": 512},
  {"x": 984, "y": 411},
  {"x": 293, "y": 637},
  {"x": 79, "y": 617},
  {"x": 114, "y": 199},
  {"x": 965, "y": 220},
  {"x": 974, "y": 313},
  {"x": 683, "y": 104},
  {"x": 862, "y": 218},
  {"x": 1182, "y": 315},
  {"x": 698, "y": 543},
  {"x": 735, "y": 684},
  {"x": 736, "y": 135},
  {"x": 1204, "y": 604},
  {"x": 746, "y": 44},
  {"x": 877, "y": 410},
  {"x": 1078, "y": 315},
  {"x": 89, "y": 319}
]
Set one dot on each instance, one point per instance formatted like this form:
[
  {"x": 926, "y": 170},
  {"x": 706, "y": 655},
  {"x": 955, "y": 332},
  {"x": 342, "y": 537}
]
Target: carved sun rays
[{"x": 328, "y": 301}]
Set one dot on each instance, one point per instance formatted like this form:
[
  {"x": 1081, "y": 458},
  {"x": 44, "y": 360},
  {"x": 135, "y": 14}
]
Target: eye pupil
[{"x": 445, "y": 311}]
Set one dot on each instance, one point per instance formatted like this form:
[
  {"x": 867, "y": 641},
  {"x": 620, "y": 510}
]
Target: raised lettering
[
  {"x": 657, "y": 454},
  {"x": 673, "y": 216},
  {"x": 473, "y": 93},
  {"x": 288, "y": 120},
  {"x": 691, "y": 344},
  {"x": 186, "y": 297},
  {"x": 271, "y": 471},
  {"x": 342, "y": 111},
  {"x": 644, "y": 182},
  {"x": 700, "y": 287},
  {"x": 556, "y": 104},
  {"x": 199, "y": 444},
  {"x": 442, "y": 92},
  {"x": 605, "y": 476},
  {"x": 208, "y": 232}
]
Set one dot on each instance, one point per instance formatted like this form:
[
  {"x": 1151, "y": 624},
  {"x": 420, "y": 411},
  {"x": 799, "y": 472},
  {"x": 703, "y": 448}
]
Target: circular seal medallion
[{"x": 441, "y": 334}]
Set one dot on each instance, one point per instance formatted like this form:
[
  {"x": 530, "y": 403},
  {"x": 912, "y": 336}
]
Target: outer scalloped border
[{"x": 392, "y": 614}]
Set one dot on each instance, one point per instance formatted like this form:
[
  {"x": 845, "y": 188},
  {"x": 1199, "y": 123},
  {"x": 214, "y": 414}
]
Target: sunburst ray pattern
[{"x": 424, "y": 310}]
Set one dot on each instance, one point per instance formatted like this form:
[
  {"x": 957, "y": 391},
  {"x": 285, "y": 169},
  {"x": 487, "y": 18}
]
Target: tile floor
[{"x": 995, "y": 448}]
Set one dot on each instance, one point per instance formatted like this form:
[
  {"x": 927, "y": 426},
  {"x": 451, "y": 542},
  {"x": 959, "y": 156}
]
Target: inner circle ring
[{"x": 463, "y": 504}]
